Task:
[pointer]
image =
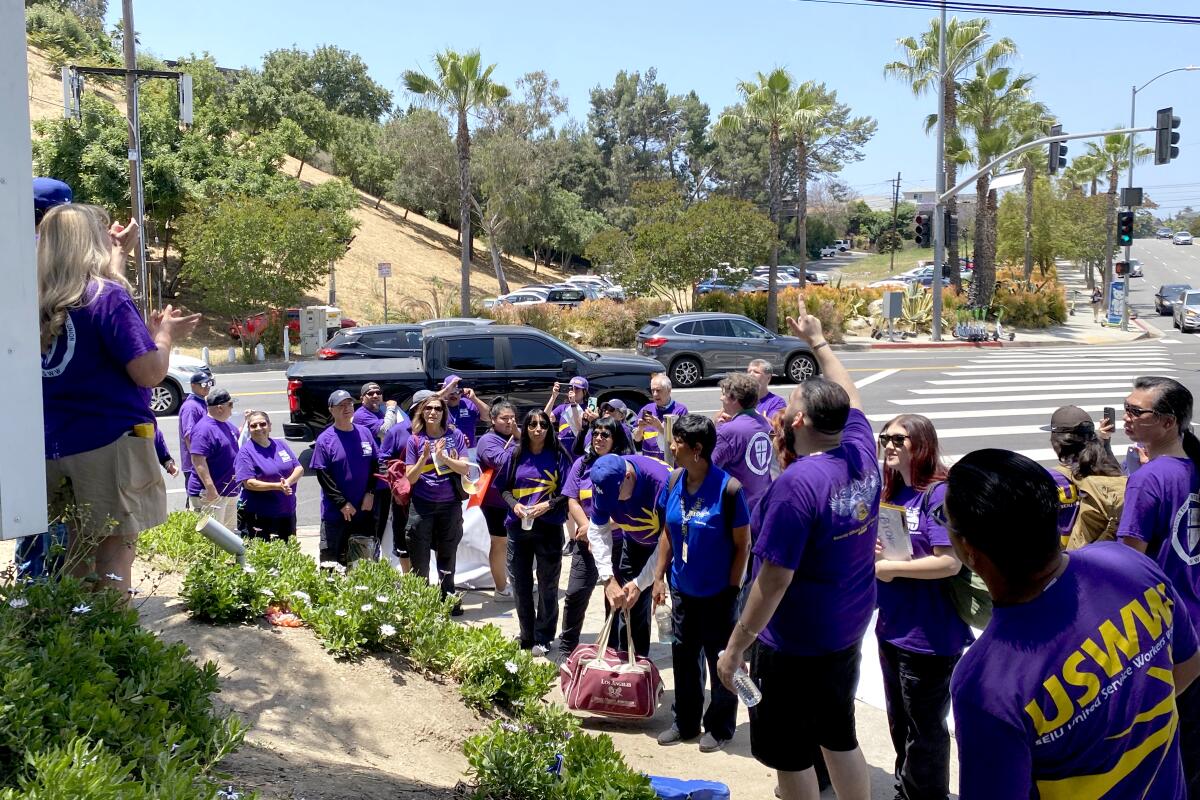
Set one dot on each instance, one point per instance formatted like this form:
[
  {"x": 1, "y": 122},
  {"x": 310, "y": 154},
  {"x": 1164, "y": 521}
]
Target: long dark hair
[
  {"x": 621, "y": 444},
  {"x": 1081, "y": 450},
  {"x": 926, "y": 459},
  {"x": 551, "y": 442},
  {"x": 1173, "y": 399}
]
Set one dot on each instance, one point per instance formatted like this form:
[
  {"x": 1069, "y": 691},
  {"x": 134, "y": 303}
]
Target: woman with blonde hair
[{"x": 99, "y": 361}]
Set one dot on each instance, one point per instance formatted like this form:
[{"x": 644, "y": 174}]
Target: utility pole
[
  {"x": 939, "y": 210},
  {"x": 136, "y": 200},
  {"x": 895, "y": 207}
]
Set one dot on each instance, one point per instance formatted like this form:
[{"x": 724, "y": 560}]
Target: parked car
[
  {"x": 523, "y": 297},
  {"x": 1183, "y": 237},
  {"x": 569, "y": 296},
  {"x": 1187, "y": 311},
  {"x": 695, "y": 346},
  {"x": 1135, "y": 268},
  {"x": 166, "y": 398},
  {"x": 517, "y": 362},
  {"x": 255, "y": 324},
  {"x": 714, "y": 285},
  {"x": 829, "y": 252},
  {"x": 603, "y": 285},
  {"x": 1167, "y": 295},
  {"x": 816, "y": 277},
  {"x": 374, "y": 341},
  {"x": 1164, "y": 233},
  {"x": 453, "y": 322},
  {"x": 843, "y": 245},
  {"x": 890, "y": 284}
]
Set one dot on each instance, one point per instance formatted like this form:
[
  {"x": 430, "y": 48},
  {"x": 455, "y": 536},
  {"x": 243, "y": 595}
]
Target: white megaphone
[{"x": 222, "y": 537}]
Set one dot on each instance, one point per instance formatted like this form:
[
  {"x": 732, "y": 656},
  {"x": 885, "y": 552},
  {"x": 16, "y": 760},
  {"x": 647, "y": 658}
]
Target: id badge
[{"x": 684, "y": 553}]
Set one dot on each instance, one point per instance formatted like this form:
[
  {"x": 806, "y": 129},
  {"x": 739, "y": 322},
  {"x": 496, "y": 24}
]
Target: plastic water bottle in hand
[
  {"x": 743, "y": 684},
  {"x": 666, "y": 628}
]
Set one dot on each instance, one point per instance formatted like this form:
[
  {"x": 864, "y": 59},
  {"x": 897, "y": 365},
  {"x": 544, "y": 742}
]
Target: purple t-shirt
[
  {"x": 1162, "y": 509},
  {"x": 86, "y": 364},
  {"x": 465, "y": 417},
  {"x": 269, "y": 464},
  {"x": 493, "y": 452},
  {"x": 819, "y": 519},
  {"x": 650, "y": 444},
  {"x": 744, "y": 450},
  {"x": 536, "y": 477},
  {"x": 218, "y": 443},
  {"x": 587, "y": 439},
  {"x": 638, "y": 516},
  {"x": 371, "y": 420},
  {"x": 395, "y": 440},
  {"x": 566, "y": 434},
  {"x": 915, "y": 614},
  {"x": 192, "y": 410},
  {"x": 430, "y": 486},
  {"x": 348, "y": 456},
  {"x": 771, "y": 404},
  {"x": 1068, "y": 504},
  {"x": 579, "y": 486},
  {"x": 1071, "y": 694}
]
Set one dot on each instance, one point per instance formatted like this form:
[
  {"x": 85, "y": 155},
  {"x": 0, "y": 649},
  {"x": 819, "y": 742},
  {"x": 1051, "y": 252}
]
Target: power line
[{"x": 1026, "y": 11}]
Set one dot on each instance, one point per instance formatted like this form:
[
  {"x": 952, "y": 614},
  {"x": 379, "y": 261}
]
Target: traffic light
[
  {"x": 951, "y": 228},
  {"x": 923, "y": 230},
  {"x": 1121, "y": 268},
  {"x": 1165, "y": 137},
  {"x": 1058, "y": 151},
  {"x": 1124, "y": 228}
]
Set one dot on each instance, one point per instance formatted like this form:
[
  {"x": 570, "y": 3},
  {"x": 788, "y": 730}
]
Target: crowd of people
[{"x": 783, "y": 528}]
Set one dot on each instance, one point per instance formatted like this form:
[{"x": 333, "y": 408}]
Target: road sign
[
  {"x": 1116, "y": 300},
  {"x": 385, "y": 269}
]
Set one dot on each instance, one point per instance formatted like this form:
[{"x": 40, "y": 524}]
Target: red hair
[{"x": 924, "y": 453}]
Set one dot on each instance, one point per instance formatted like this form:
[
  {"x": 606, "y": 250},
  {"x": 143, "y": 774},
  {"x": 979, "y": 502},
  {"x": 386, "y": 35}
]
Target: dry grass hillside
[{"x": 424, "y": 254}]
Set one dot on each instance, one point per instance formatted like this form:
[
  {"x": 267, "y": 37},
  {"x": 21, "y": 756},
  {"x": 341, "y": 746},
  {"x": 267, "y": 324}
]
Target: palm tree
[
  {"x": 462, "y": 85},
  {"x": 967, "y": 44},
  {"x": 992, "y": 102},
  {"x": 1112, "y": 156},
  {"x": 1031, "y": 120},
  {"x": 766, "y": 104},
  {"x": 825, "y": 137}
]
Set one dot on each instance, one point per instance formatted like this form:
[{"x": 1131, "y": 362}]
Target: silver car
[
  {"x": 1187, "y": 311},
  {"x": 701, "y": 345}
]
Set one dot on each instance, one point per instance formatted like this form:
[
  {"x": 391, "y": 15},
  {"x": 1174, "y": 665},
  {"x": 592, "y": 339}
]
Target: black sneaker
[{"x": 456, "y": 610}]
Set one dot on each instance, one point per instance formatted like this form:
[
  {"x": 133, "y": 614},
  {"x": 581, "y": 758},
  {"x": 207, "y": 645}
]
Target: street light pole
[
  {"x": 939, "y": 208},
  {"x": 1129, "y": 175}
]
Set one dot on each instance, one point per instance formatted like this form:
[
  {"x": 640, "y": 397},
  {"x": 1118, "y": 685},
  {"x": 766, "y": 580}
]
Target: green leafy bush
[
  {"x": 493, "y": 669},
  {"x": 94, "y": 704},
  {"x": 1026, "y": 308},
  {"x": 174, "y": 544}
]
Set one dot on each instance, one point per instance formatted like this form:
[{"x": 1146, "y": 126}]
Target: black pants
[
  {"x": 540, "y": 549},
  {"x": 383, "y": 505},
  {"x": 399, "y": 529},
  {"x": 580, "y": 585},
  {"x": 260, "y": 526},
  {"x": 437, "y": 526},
  {"x": 917, "y": 689},
  {"x": 633, "y": 557},
  {"x": 1189, "y": 737},
  {"x": 336, "y": 533},
  {"x": 702, "y": 626}
]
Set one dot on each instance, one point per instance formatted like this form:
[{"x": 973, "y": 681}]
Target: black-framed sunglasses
[
  {"x": 537, "y": 424},
  {"x": 601, "y": 434},
  {"x": 257, "y": 425},
  {"x": 373, "y": 392},
  {"x": 1138, "y": 413},
  {"x": 896, "y": 439}
]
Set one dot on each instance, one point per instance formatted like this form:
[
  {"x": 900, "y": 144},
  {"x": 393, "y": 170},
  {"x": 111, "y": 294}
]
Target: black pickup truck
[{"x": 516, "y": 362}]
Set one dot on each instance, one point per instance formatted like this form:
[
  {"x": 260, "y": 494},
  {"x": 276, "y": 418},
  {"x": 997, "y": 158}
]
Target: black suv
[{"x": 373, "y": 341}]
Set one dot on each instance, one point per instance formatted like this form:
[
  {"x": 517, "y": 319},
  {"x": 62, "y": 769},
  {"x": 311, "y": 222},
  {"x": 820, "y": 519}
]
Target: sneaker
[
  {"x": 539, "y": 650},
  {"x": 457, "y": 609},
  {"x": 711, "y": 744},
  {"x": 671, "y": 736},
  {"x": 503, "y": 596}
]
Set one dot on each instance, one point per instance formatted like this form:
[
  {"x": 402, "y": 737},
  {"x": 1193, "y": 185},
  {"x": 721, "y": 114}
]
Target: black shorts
[
  {"x": 494, "y": 516},
  {"x": 808, "y": 701}
]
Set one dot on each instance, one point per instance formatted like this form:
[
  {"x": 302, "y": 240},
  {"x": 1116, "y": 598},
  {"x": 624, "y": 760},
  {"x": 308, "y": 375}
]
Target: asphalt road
[{"x": 977, "y": 398}]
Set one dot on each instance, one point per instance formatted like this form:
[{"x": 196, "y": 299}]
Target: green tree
[
  {"x": 463, "y": 85},
  {"x": 1016, "y": 238},
  {"x": 1030, "y": 121},
  {"x": 968, "y": 43},
  {"x": 247, "y": 254},
  {"x": 767, "y": 105},
  {"x": 1112, "y": 154},
  {"x": 426, "y": 176}
]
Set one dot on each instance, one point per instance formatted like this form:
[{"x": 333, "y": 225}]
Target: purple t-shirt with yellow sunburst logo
[
  {"x": 536, "y": 477},
  {"x": 1071, "y": 694},
  {"x": 638, "y": 516}
]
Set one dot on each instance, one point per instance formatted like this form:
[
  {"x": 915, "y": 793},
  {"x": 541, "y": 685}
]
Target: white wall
[{"x": 22, "y": 476}]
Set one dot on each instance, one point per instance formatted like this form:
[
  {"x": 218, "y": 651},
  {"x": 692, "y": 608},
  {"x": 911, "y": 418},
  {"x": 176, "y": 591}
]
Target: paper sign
[
  {"x": 893, "y": 533},
  {"x": 385, "y": 269}
]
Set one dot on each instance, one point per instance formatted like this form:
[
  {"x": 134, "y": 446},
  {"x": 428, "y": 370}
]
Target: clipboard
[{"x": 893, "y": 533}]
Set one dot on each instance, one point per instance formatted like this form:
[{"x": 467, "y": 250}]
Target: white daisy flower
[
  {"x": 301, "y": 595},
  {"x": 367, "y": 607},
  {"x": 361, "y": 588},
  {"x": 387, "y": 630},
  {"x": 132, "y": 590},
  {"x": 512, "y": 667},
  {"x": 18, "y": 602},
  {"x": 339, "y": 613},
  {"x": 250, "y": 570},
  {"x": 382, "y": 598},
  {"x": 266, "y": 591},
  {"x": 82, "y": 608},
  {"x": 112, "y": 576}
]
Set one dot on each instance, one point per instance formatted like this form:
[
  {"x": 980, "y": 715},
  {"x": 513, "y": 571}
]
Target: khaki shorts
[{"x": 119, "y": 483}]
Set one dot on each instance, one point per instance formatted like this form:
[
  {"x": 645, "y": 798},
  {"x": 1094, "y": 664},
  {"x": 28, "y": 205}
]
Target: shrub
[
  {"x": 97, "y": 706},
  {"x": 1024, "y": 308},
  {"x": 175, "y": 544},
  {"x": 494, "y": 669}
]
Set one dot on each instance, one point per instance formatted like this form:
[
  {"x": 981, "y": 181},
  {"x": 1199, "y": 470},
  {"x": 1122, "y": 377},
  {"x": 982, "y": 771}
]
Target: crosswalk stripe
[
  {"x": 1032, "y": 387},
  {"x": 1066, "y": 362},
  {"x": 986, "y": 413},
  {"x": 991, "y": 430},
  {"x": 972, "y": 373},
  {"x": 1041, "y": 455},
  {"x": 1119, "y": 396},
  {"x": 1057, "y": 378}
]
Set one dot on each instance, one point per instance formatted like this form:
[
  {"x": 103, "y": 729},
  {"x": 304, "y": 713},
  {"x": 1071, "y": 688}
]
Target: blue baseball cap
[
  {"x": 50, "y": 192},
  {"x": 203, "y": 377},
  {"x": 607, "y": 474}
]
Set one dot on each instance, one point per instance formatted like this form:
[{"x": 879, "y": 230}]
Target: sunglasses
[
  {"x": 599, "y": 434},
  {"x": 896, "y": 439},
  {"x": 537, "y": 424},
  {"x": 1138, "y": 413},
  {"x": 373, "y": 392},
  {"x": 257, "y": 425}
]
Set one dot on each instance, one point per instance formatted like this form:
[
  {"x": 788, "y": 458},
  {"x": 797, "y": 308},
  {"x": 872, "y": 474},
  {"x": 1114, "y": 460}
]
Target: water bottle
[
  {"x": 666, "y": 627},
  {"x": 747, "y": 690}
]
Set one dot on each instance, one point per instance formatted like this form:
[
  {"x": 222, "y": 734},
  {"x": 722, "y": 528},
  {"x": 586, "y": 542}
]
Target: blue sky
[{"x": 1085, "y": 68}]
